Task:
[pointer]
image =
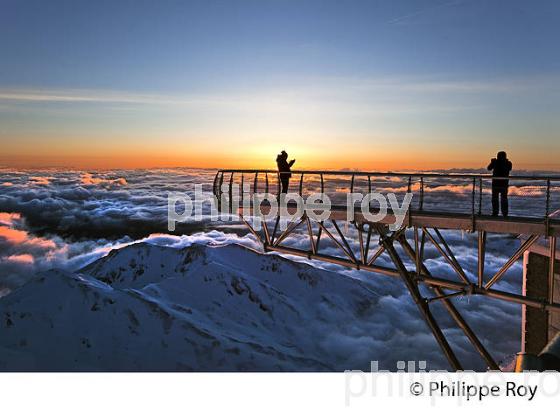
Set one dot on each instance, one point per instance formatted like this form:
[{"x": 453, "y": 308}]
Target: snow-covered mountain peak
[{"x": 147, "y": 307}]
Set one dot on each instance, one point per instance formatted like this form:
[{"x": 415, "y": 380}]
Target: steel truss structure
[{"x": 406, "y": 252}]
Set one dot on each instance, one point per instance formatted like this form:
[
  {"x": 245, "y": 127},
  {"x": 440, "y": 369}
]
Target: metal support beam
[
  {"x": 511, "y": 260},
  {"x": 318, "y": 238},
  {"x": 275, "y": 229},
  {"x": 257, "y": 236},
  {"x": 420, "y": 302},
  {"x": 293, "y": 225},
  {"x": 376, "y": 255},
  {"x": 266, "y": 233},
  {"x": 481, "y": 256},
  {"x": 453, "y": 312},
  {"x": 338, "y": 244},
  {"x": 310, "y": 233},
  {"x": 444, "y": 289},
  {"x": 428, "y": 280},
  {"x": 417, "y": 259},
  {"x": 448, "y": 258},
  {"x": 344, "y": 241},
  {"x": 361, "y": 242},
  {"x": 551, "y": 262},
  {"x": 445, "y": 296},
  {"x": 448, "y": 250},
  {"x": 368, "y": 239}
]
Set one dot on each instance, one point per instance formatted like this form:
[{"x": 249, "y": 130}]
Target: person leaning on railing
[{"x": 500, "y": 167}]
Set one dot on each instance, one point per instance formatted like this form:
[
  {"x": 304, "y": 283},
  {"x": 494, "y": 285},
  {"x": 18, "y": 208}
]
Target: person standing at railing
[
  {"x": 500, "y": 167},
  {"x": 284, "y": 168}
]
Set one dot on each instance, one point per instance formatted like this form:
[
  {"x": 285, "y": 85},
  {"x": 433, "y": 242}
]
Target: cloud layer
[{"x": 67, "y": 219}]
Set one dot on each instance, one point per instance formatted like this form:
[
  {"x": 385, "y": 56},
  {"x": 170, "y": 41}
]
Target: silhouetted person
[
  {"x": 500, "y": 167},
  {"x": 284, "y": 167}
]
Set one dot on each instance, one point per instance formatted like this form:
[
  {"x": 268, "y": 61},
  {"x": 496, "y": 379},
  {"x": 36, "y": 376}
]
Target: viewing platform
[
  {"x": 438, "y": 202},
  {"x": 446, "y": 201}
]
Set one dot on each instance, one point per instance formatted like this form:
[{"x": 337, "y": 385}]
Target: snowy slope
[{"x": 203, "y": 308}]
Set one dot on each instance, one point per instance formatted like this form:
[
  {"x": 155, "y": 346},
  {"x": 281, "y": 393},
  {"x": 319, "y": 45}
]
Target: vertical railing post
[
  {"x": 231, "y": 193},
  {"x": 473, "y": 196},
  {"x": 421, "y": 205},
  {"x": 409, "y": 211},
  {"x": 255, "y": 182},
  {"x": 473, "y": 202},
  {"x": 214, "y": 186},
  {"x": 322, "y": 184},
  {"x": 266, "y": 182},
  {"x": 220, "y": 190},
  {"x": 480, "y": 196},
  {"x": 551, "y": 262},
  {"x": 301, "y": 185},
  {"x": 547, "y": 211},
  {"x": 547, "y": 207},
  {"x": 352, "y": 185},
  {"x": 242, "y": 188}
]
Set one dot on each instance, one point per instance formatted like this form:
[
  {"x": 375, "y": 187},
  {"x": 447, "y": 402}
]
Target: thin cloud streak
[
  {"x": 89, "y": 96},
  {"x": 319, "y": 86},
  {"x": 420, "y": 12}
]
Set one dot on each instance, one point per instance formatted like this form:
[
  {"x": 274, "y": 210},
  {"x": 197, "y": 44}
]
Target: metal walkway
[{"x": 440, "y": 202}]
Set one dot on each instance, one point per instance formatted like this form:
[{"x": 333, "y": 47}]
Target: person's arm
[
  {"x": 509, "y": 166},
  {"x": 492, "y": 164},
  {"x": 292, "y": 162}
]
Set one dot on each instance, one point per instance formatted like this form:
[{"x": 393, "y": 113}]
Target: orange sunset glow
[{"x": 328, "y": 157}]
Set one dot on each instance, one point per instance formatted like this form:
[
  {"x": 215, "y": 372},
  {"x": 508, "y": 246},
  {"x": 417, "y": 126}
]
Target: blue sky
[{"x": 461, "y": 77}]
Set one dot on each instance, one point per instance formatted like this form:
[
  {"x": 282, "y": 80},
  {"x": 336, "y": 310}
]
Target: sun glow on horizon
[{"x": 239, "y": 84}]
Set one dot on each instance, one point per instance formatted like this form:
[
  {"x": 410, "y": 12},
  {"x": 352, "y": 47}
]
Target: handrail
[
  {"x": 425, "y": 202},
  {"x": 398, "y": 174}
]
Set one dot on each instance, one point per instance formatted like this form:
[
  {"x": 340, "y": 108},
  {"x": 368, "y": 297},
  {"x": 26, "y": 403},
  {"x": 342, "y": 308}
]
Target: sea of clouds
[{"x": 68, "y": 218}]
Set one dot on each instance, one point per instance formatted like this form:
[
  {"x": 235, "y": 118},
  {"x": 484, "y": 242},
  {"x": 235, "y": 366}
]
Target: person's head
[
  {"x": 502, "y": 155},
  {"x": 284, "y": 154}
]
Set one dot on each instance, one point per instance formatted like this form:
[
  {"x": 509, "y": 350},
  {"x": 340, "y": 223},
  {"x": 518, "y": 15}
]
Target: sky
[{"x": 374, "y": 85}]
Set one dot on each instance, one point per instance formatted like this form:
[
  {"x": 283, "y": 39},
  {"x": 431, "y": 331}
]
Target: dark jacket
[
  {"x": 500, "y": 168},
  {"x": 284, "y": 165}
]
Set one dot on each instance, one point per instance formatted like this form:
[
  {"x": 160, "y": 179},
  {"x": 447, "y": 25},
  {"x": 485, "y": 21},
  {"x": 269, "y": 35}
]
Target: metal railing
[{"x": 529, "y": 196}]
